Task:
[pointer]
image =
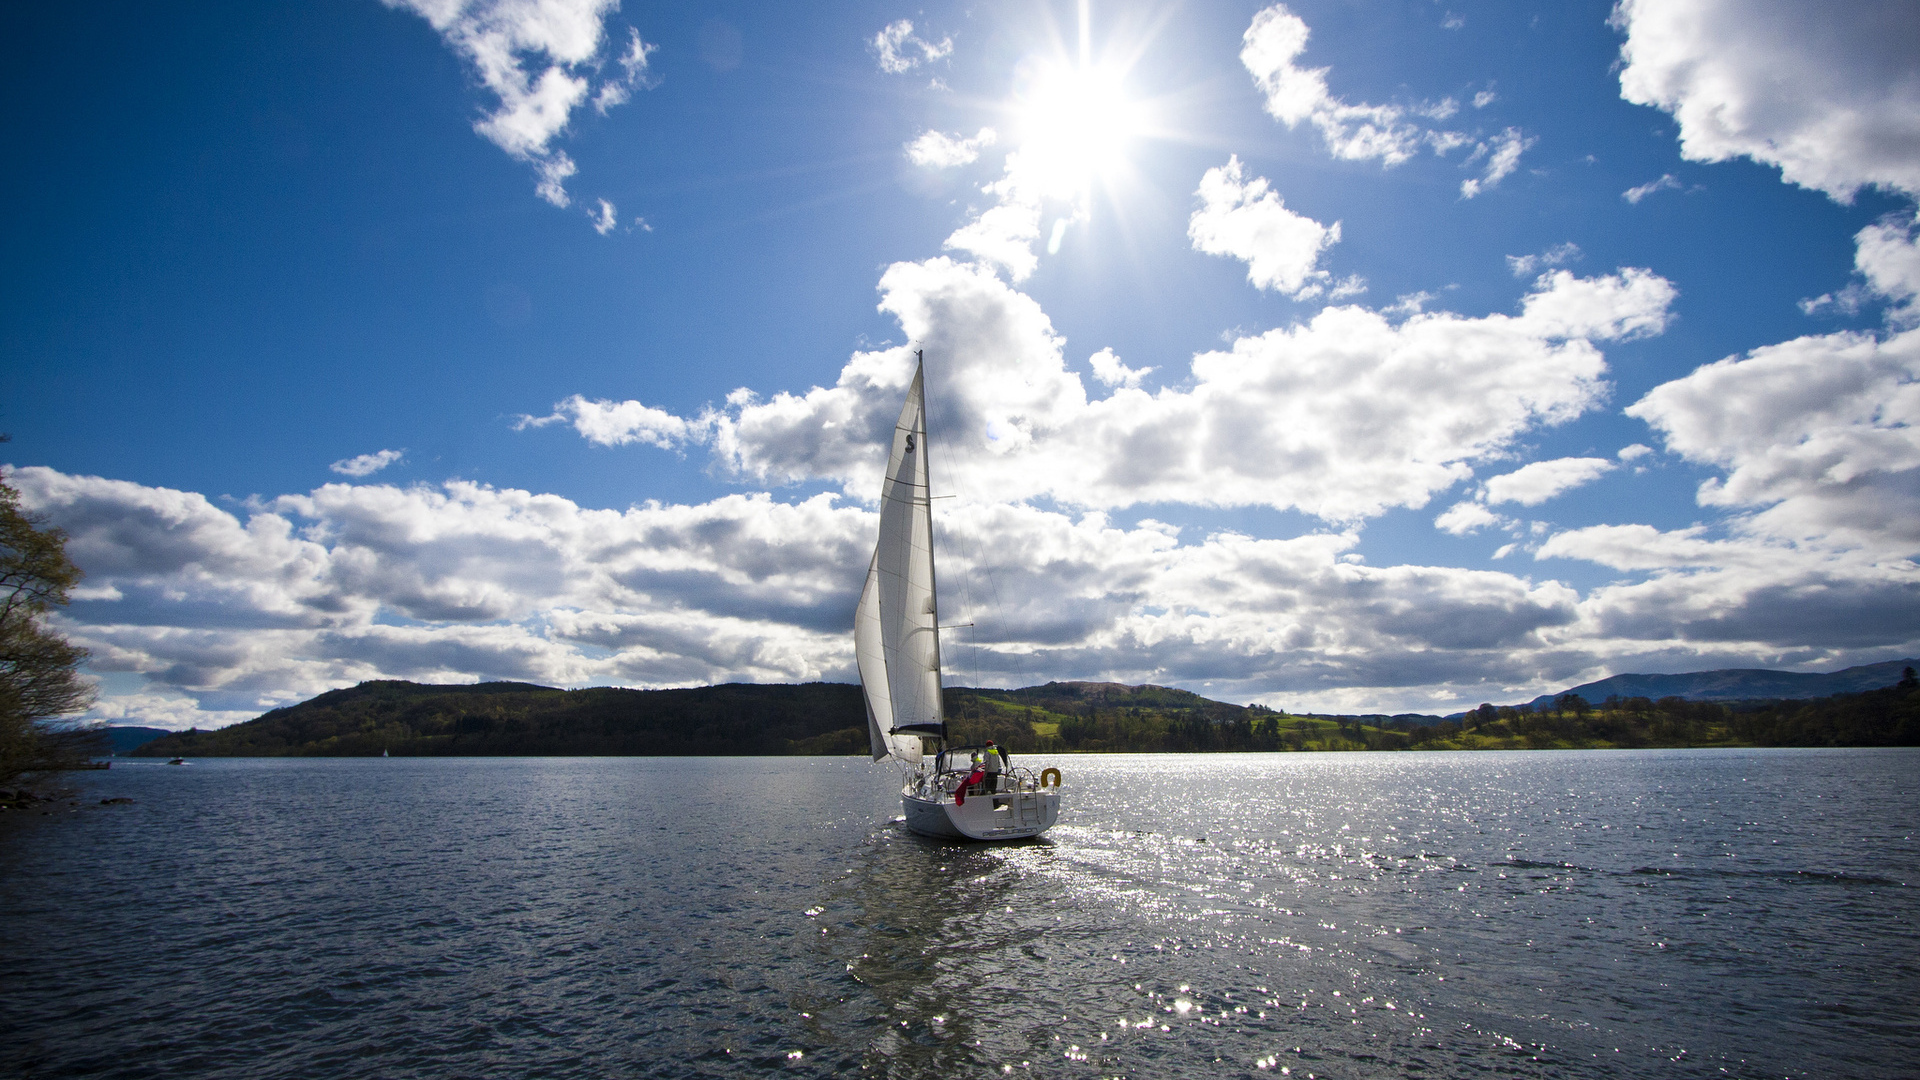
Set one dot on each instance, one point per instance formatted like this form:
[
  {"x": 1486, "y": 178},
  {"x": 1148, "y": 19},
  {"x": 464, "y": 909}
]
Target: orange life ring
[{"x": 1055, "y": 773}]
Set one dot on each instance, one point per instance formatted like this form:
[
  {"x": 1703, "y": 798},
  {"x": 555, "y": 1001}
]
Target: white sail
[
  {"x": 897, "y": 618},
  {"x": 872, "y": 661}
]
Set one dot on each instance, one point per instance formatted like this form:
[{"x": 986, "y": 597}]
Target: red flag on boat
[{"x": 977, "y": 776}]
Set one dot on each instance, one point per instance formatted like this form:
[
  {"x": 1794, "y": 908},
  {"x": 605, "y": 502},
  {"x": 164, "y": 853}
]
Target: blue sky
[{"x": 1342, "y": 356}]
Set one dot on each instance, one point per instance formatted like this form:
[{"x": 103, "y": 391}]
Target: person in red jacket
[{"x": 978, "y": 775}]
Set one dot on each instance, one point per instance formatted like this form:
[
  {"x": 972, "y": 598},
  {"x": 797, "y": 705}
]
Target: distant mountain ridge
[
  {"x": 126, "y": 738},
  {"x": 1739, "y": 684}
]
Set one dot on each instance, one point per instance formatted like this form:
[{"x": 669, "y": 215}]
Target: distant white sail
[{"x": 897, "y": 616}]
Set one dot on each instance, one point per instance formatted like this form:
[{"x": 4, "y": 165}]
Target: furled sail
[{"x": 895, "y": 628}]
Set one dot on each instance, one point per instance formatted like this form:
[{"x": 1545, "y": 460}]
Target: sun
[{"x": 1076, "y": 124}]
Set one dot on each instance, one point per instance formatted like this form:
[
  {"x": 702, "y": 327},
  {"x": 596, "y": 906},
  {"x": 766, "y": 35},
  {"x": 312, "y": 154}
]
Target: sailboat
[{"x": 951, "y": 792}]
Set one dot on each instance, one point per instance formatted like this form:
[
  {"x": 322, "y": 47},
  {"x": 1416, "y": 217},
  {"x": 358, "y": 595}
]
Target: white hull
[{"x": 1008, "y": 815}]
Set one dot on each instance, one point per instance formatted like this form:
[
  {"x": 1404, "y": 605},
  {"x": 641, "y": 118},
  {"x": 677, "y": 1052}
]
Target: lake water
[{"x": 1578, "y": 914}]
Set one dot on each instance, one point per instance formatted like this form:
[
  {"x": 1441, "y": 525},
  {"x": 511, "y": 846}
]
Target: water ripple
[{"x": 1637, "y": 914}]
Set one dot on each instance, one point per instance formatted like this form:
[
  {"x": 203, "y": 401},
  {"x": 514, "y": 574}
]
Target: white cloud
[
  {"x": 1246, "y": 220},
  {"x": 1339, "y": 416},
  {"x": 1503, "y": 156},
  {"x": 1888, "y": 255},
  {"x": 938, "y": 150},
  {"x": 606, "y": 219},
  {"x": 495, "y": 583},
  {"x": 638, "y": 72},
  {"x": 1558, "y": 255},
  {"x": 1534, "y": 484},
  {"x": 1484, "y": 98},
  {"x": 1705, "y": 597},
  {"x": 366, "y": 464},
  {"x": 1833, "y": 101},
  {"x": 1667, "y": 182},
  {"x": 1819, "y": 438},
  {"x": 553, "y": 171},
  {"x": 1466, "y": 517},
  {"x": 618, "y": 423},
  {"x": 1412, "y": 303},
  {"x": 506, "y": 41},
  {"x": 895, "y": 46},
  {"x": 1343, "y": 416},
  {"x": 1272, "y": 42},
  {"x": 1109, "y": 370},
  {"x": 1634, "y": 452},
  {"x": 1003, "y": 236},
  {"x": 1847, "y": 301},
  {"x": 1351, "y": 285},
  {"x": 1633, "y": 303}
]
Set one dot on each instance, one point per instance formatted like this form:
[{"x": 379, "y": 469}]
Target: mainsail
[{"x": 896, "y": 627}]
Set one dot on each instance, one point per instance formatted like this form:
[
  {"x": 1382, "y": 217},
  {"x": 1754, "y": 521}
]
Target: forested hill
[{"x": 504, "y": 718}]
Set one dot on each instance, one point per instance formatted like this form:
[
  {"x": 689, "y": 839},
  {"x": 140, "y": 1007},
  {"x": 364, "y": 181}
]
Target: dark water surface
[{"x": 1579, "y": 914}]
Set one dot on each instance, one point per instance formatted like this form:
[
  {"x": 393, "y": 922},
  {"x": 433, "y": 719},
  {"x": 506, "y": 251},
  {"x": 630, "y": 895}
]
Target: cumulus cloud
[
  {"x": 1340, "y": 417},
  {"x": 1887, "y": 254},
  {"x": 1245, "y": 219},
  {"x": 305, "y": 592},
  {"x": 1343, "y": 416},
  {"x": 366, "y": 464},
  {"x": 1109, "y": 370},
  {"x": 938, "y": 150},
  {"x": 538, "y": 59},
  {"x": 1740, "y": 594},
  {"x": 1531, "y": 485},
  {"x": 618, "y": 423},
  {"x": 1833, "y": 102},
  {"x": 1003, "y": 234},
  {"x": 1819, "y": 438},
  {"x": 1271, "y": 44},
  {"x": 1271, "y": 47},
  {"x": 225, "y": 618},
  {"x": 1633, "y": 303},
  {"x": 896, "y": 45},
  {"x": 1704, "y": 597},
  {"x": 1466, "y": 517}
]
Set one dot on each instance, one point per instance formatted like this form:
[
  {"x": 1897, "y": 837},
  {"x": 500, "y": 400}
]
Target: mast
[{"x": 926, "y": 510}]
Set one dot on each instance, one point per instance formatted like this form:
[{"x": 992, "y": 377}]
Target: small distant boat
[
  {"x": 178, "y": 761},
  {"x": 383, "y": 753},
  {"x": 964, "y": 792}
]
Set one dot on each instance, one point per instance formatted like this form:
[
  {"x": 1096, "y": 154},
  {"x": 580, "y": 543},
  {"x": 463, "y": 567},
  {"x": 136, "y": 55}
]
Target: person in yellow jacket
[{"x": 995, "y": 764}]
